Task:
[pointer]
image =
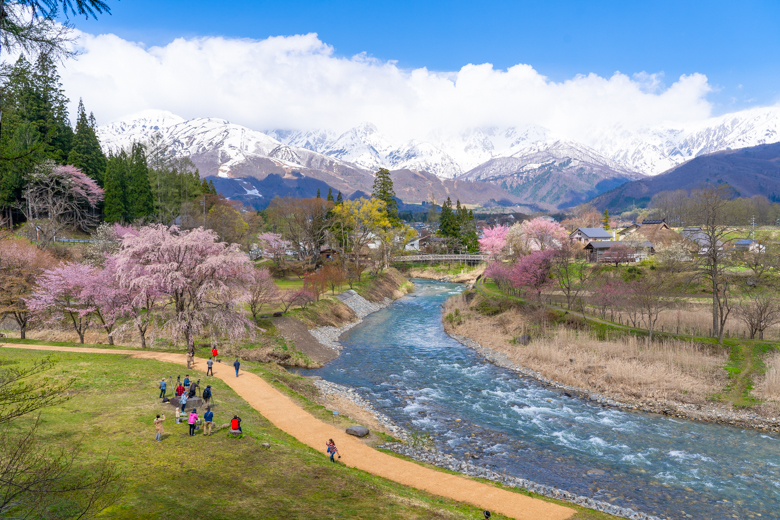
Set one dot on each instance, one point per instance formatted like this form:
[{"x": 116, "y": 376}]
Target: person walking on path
[
  {"x": 193, "y": 420},
  {"x": 237, "y": 364},
  {"x": 190, "y": 358},
  {"x": 214, "y": 353},
  {"x": 183, "y": 401},
  {"x": 158, "y": 424},
  {"x": 207, "y": 395},
  {"x": 210, "y": 365},
  {"x": 208, "y": 419},
  {"x": 163, "y": 386},
  {"x": 332, "y": 449}
]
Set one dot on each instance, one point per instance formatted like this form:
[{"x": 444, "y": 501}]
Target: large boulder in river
[{"x": 358, "y": 431}]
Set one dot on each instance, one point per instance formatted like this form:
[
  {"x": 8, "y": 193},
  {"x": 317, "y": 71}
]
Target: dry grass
[
  {"x": 769, "y": 388},
  {"x": 626, "y": 365}
]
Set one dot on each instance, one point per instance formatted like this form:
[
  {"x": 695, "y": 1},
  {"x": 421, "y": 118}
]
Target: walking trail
[{"x": 286, "y": 415}]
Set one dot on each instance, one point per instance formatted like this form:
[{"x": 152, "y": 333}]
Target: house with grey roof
[{"x": 587, "y": 235}]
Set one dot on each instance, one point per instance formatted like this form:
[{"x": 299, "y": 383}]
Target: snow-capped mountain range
[{"x": 513, "y": 158}]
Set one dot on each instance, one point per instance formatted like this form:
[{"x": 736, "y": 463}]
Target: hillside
[
  {"x": 553, "y": 175},
  {"x": 750, "y": 171}
]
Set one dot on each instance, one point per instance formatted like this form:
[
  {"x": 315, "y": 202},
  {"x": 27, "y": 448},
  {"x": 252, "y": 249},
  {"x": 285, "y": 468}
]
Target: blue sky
[{"x": 735, "y": 44}]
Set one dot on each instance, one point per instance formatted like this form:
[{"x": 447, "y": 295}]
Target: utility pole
[{"x": 753, "y": 221}]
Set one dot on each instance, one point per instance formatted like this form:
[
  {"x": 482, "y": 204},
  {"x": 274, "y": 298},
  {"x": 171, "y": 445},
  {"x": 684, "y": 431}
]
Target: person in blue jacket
[
  {"x": 208, "y": 421},
  {"x": 163, "y": 387},
  {"x": 237, "y": 364}
]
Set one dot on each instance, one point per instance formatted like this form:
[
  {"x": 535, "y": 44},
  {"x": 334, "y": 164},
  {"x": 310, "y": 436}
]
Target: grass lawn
[{"x": 112, "y": 408}]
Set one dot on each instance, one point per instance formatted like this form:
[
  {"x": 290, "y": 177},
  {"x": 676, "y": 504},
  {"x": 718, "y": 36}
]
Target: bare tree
[
  {"x": 708, "y": 207},
  {"x": 646, "y": 294},
  {"x": 759, "y": 310},
  {"x": 572, "y": 274}
]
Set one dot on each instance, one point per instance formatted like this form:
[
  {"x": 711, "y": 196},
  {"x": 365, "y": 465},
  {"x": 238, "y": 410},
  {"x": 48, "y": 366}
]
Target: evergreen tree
[
  {"x": 115, "y": 205},
  {"x": 140, "y": 201},
  {"x": 212, "y": 189},
  {"x": 339, "y": 199},
  {"x": 383, "y": 190},
  {"x": 605, "y": 219},
  {"x": 86, "y": 153},
  {"x": 448, "y": 226},
  {"x": 330, "y": 195},
  {"x": 318, "y": 193},
  {"x": 205, "y": 189}
]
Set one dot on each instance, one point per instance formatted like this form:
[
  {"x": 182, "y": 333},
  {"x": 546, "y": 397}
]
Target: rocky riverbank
[
  {"x": 700, "y": 412},
  {"x": 451, "y": 463},
  {"x": 329, "y": 336}
]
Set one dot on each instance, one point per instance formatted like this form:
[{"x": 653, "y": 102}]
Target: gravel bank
[{"x": 329, "y": 336}]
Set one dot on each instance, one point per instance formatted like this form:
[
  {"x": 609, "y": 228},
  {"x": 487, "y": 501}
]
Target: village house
[
  {"x": 625, "y": 251},
  {"x": 657, "y": 232},
  {"x": 586, "y": 235}
]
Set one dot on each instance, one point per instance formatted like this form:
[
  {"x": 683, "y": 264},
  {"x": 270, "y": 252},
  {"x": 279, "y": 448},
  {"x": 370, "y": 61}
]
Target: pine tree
[
  {"x": 330, "y": 195},
  {"x": 383, "y": 190},
  {"x": 339, "y": 199},
  {"x": 115, "y": 203},
  {"x": 86, "y": 153},
  {"x": 605, "y": 219},
  {"x": 212, "y": 188},
  {"x": 205, "y": 189},
  {"x": 140, "y": 201},
  {"x": 318, "y": 193}
]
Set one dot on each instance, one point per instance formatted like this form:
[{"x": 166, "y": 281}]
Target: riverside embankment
[{"x": 404, "y": 364}]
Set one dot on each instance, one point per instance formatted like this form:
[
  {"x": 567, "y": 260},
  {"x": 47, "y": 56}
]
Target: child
[
  {"x": 158, "y": 424},
  {"x": 192, "y": 421},
  {"x": 183, "y": 401},
  {"x": 332, "y": 449}
]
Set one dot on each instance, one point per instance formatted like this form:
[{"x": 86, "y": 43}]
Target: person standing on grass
[
  {"x": 183, "y": 401},
  {"x": 332, "y": 449},
  {"x": 237, "y": 364},
  {"x": 158, "y": 424},
  {"x": 193, "y": 420},
  {"x": 186, "y": 381},
  {"x": 163, "y": 387},
  {"x": 208, "y": 419},
  {"x": 207, "y": 395},
  {"x": 210, "y": 369},
  {"x": 214, "y": 353}
]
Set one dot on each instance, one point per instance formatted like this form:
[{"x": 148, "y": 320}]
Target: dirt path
[{"x": 290, "y": 418}]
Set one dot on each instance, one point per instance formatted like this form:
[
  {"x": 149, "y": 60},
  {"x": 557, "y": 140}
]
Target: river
[{"x": 401, "y": 360}]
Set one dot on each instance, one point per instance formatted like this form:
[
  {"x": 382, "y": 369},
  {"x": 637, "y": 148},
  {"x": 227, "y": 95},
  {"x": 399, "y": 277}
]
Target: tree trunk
[
  {"x": 715, "y": 306},
  {"x": 23, "y": 332},
  {"x": 142, "y": 332}
]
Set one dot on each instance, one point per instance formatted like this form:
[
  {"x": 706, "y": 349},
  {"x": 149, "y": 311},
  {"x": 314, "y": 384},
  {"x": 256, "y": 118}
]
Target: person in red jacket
[
  {"x": 179, "y": 390},
  {"x": 235, "y": 424},
  {"x": 214, "y": 353}
]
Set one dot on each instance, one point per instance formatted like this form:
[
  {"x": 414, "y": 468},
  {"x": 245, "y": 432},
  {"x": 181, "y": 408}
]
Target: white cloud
[{"x": 298, "y": 82}]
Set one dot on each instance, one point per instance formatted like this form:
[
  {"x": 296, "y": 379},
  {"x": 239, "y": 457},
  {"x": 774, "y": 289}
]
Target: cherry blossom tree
[
  {"x": 64, "y": 295},
  {"x": 20, "y": 265},
  {"x": 498, "y": 272},
  {"x": 540, "y": 234},
  {"x": 493, "y": 239},
  {"x": 274, "y": 246},
  {"x": 618, "y": 254},
  {"x": 56, "y": 197},
  {"x": 262, "y": 291},
  {"x": 532, "y": 272},
  {"x": 200, "y": 280}
]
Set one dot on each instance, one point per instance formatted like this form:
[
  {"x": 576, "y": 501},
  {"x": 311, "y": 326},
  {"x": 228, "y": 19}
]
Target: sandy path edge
[{"x": 286, "y": 415}]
